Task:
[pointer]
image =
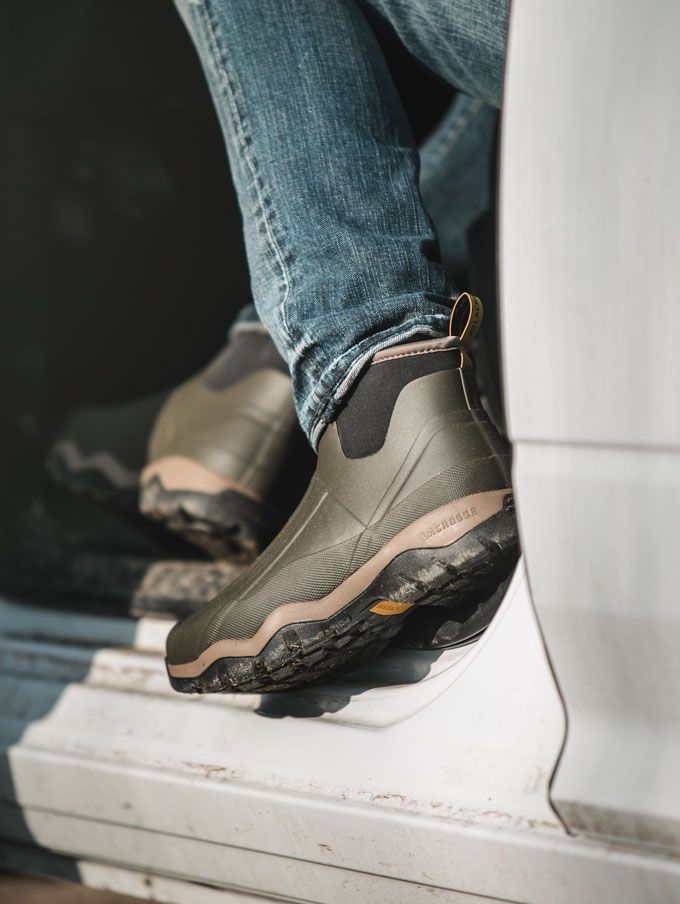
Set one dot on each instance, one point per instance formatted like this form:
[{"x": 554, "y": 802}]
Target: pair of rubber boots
[{"x": 410, "y": 504}]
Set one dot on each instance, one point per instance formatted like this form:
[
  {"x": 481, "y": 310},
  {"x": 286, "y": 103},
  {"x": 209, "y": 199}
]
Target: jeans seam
[{"x": 242, "y": 139}]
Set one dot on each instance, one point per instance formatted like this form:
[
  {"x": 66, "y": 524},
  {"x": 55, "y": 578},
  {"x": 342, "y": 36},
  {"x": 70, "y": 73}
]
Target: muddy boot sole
[
  {"x": 303, "y": 653},
  {"x": 445, "y": 626},
  {"x": 226, "y": 525}
]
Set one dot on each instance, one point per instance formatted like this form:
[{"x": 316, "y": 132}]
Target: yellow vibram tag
[
  {"x": 466, "y": 318},
  {"x": 388, "y": 607}
]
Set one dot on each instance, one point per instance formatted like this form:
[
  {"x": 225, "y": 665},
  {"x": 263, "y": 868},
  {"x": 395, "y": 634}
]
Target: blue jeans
[
  {"x": 456, "y": 163},
  {"x": 343, "y": 256}
]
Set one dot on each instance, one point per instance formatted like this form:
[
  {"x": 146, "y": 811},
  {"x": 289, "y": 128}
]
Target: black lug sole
[{"x": 309, "y": 652}]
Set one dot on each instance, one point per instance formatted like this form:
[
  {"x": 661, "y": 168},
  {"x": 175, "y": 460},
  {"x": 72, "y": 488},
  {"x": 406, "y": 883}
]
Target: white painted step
[{"x": 425, "y": 774}]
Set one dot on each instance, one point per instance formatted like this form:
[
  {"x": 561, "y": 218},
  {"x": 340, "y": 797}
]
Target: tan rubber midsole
[
  {"x": 177, "y": 472},
  {"x": 440, "y": 527}
]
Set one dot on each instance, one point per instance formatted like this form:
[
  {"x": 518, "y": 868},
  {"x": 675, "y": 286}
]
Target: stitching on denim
[
  {"x": 242, "y": 145},
  {"x": 425, "y": 351}
]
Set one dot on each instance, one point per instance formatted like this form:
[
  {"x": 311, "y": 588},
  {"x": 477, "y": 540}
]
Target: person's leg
[
  {"x": 411, "y": 502},
  {"x": 342, "y": 253},
  {"x": 461, "y": 41},
  {"x": 456, "y": 165},
  {"x": 101, "y": 452},
  {"x": 455, "y": 185},
  {"x": 456, "y": 177}
]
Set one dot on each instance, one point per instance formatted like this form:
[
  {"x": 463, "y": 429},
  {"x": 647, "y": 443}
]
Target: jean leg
[
  {"x": 456, "y": 176},
  {"x": 455, "y": 184},
  {"x": 462, "y": 41},
  {"x": 342, "y": 253}
]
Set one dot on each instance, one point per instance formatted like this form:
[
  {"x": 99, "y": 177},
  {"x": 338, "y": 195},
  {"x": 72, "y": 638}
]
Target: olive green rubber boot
[
  {"x": 217, "y": 445},
  {"x": 410, "y": 505},
  {"x": 206, "y": 454}
]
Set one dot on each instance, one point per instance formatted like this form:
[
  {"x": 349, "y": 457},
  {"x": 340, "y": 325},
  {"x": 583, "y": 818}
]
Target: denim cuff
[{"x": 322, "y": 406}]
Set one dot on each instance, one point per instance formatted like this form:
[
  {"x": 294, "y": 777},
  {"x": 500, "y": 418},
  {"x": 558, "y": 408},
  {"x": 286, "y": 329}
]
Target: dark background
[{"x": 121, "y": 259}]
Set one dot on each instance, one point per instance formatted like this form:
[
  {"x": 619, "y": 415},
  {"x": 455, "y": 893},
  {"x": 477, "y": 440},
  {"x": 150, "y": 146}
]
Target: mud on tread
[{"x": 310, "y": 652}]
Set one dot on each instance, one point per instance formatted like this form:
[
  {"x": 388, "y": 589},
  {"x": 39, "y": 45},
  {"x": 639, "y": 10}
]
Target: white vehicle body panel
[{"x": 590, "y": 251}]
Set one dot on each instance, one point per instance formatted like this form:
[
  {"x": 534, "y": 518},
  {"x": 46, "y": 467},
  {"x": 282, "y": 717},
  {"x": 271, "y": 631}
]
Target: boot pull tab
[{"x": 465, "y": 321}]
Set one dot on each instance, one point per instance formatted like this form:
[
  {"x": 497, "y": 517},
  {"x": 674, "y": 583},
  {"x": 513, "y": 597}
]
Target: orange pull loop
[{"x": 466, "y": 318}]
